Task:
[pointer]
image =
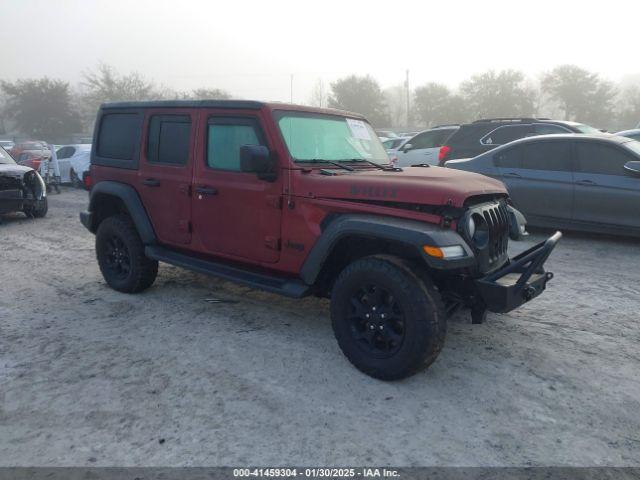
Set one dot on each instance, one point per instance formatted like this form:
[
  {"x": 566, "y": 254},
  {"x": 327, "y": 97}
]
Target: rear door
[
  {"x": 539, "y": 178},
  {"x": 235, "y": 214},
  {"x": 424, "y": 148},
  {"x": 165, "y": 173},
  {"x": 605, "y": 192}
]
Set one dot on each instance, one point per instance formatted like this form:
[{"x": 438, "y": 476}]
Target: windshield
[
  {"x": 318, "y": 137},
  {"x": 5, "y": 158}
]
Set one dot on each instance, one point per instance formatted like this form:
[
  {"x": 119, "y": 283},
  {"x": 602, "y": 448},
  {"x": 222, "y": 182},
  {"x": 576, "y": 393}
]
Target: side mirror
[
  {"x": 257, "y": 159},
  {"x": 406, "y": 147},
  {"x": 633, "y": 167}
]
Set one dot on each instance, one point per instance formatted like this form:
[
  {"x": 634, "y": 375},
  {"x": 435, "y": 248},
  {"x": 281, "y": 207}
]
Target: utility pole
[
  {"x": 291, "y": 90},
  {"x": 406, "y": 84}
]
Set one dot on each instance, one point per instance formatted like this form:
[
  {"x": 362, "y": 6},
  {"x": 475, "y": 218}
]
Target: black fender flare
[
  {"x": 412, "y": 233},
  {"x": 129, "y": 196}
]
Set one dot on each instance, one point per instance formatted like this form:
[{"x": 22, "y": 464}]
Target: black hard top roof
[
  {"x": 229, "y": 104},
  {"x": 185, "y": 104}
]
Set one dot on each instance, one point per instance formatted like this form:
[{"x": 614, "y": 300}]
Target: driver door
[{"x": 235, "y": 214}]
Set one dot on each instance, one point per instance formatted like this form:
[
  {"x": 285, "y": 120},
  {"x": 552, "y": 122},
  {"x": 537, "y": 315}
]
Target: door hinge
[{"x": 272, "y": 242}]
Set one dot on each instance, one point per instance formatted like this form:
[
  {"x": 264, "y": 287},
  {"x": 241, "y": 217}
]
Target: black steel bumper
[{"x": 521, "y": 280}]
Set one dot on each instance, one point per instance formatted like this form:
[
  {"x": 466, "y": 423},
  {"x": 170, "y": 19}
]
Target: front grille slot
[{"x": 496, "y": 216}]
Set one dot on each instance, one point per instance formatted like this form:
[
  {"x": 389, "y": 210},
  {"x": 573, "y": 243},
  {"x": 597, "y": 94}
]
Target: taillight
[
  {"x": 87, "y": 181},
  {"x": 442, "y": 155}
]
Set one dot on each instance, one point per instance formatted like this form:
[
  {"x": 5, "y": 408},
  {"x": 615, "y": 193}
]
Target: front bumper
[{"x": 521, "y": 280}]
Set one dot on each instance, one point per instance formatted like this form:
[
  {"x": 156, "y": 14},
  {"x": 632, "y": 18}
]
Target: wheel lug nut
[
  {"x": 381, "y": 327},
  {"x": 366, "y": 315},
  {"x": 382, "y": 315},
  {"x": 372, "y": 327},
  {"x": 374, "y": 309}
]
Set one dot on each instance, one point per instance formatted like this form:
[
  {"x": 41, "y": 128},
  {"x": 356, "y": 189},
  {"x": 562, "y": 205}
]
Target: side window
[
  {"x": 554, "y": 156},
  {"x": 225, "y": 136},
  {"x": 424, "y": 140},
  {"x": 547, "y": 128},
  {"x": 168, "y": 139},
  {"x": 505, "y": 134},
  {"x": 601, "y": 159},
  {"x": 509, "y": 158},
  {"x": 118, "y": 136},
  {"x": 64, "y": 152}
]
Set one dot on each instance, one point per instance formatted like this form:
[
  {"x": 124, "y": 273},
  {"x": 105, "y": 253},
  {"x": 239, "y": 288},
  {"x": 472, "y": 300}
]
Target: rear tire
[
  {"x": 121, "y": 257},
  {"x": 388, "y": 317}
]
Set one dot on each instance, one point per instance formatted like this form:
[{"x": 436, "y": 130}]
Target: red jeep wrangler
[{"x": 299, "y": 201}]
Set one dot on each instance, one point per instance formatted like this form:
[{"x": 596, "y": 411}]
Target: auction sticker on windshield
[{"x": 358, "y": 129}]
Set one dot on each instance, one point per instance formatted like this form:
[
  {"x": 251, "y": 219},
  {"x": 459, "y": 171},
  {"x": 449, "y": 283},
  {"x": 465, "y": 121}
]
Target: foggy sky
[{"x": 251, "y": 48}]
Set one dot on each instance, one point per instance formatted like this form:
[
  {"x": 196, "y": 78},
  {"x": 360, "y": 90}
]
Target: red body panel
[{"x": 274, "y": 225}]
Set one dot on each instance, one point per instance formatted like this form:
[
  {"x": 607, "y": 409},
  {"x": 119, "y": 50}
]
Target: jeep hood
[{"x": 418, "y": 185}]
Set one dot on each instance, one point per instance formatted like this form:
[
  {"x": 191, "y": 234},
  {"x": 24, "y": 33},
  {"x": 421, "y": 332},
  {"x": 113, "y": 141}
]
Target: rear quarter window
[{"x": 118, "y": 139}]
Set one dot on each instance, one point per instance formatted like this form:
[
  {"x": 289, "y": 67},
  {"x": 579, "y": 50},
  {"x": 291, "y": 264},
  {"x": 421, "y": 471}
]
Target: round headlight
[{"x": 471, "y": 227}]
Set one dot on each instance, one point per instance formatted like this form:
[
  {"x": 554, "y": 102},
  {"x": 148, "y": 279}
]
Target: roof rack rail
[
  {"x": 446, "y": 125},
  {"x": 509, "y": 119}
]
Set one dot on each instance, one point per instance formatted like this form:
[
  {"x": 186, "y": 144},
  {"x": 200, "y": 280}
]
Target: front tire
[
  {"x": 121, "y": 257},
  {"x": 388, "y": 317}
]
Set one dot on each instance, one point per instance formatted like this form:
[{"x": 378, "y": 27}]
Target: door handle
[
  {"x": 587, "y": 183},
  {"x": 512, "y": 175},
  {"x": 151, "y": 182},
  {"x": 206, "y": 190}
]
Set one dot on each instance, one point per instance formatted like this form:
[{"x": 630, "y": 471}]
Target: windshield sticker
[{"x": 358, "y": 129}]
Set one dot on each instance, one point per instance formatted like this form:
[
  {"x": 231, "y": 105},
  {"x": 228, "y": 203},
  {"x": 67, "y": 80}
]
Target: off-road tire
[
  {"x": 141, "y": 271},
  {"x": 424, "y": 316},
  {"x": 38, "y": 210}
]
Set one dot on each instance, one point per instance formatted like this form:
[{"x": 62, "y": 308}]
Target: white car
[
  {"x": 393, "y": 144},
  {"x": 7, "y": 144},
  {"x": 73, "y": 161},
  {"x": 424, "y": 147},
  {"x": 632, "y": 134}
]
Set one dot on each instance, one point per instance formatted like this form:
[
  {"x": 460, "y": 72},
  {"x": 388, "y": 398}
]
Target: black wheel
[
  {"x": 38, "y": 209},
  {"x": 121, "y": 256},
  {"x": 388, "y": 317}
]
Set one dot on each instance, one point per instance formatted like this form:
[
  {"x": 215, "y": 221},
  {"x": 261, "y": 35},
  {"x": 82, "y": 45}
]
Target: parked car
[
  {"x": 386, "y": 134},
  {"x": 483, "y": 135},
  {"x": 74, "y": 162},
  {"x": 31, "y": 159},
  {"x": 392, "y": 144},
  {"x": 38, "y": 148},
  {"x": 299, "y": 200},
  {"x": 632, "y": 134},
  {"x": 7, "y": 144},
  {"x": 585, "y": 182},
  {"x": 21, "y": 188},
  {"x": 423, "y": 148}
]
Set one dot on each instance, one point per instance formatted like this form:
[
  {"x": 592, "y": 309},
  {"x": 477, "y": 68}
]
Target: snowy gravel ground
[{"x": 198, "y": 371}]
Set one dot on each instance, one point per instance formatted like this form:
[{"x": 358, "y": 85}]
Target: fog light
[{"x": 453, "y": 251}]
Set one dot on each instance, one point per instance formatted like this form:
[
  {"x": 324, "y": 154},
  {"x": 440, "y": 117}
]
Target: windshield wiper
[
  {"x": 322, "y": 160},
  {"x": 381, "y": 167}
]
